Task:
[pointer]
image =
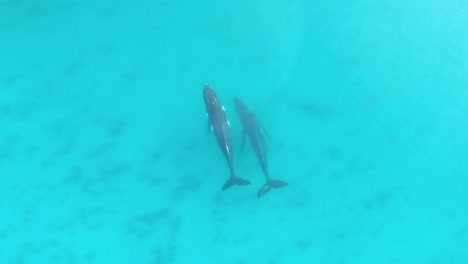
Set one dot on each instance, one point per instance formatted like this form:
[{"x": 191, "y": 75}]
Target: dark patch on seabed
[{"x": 162, "y": 227}]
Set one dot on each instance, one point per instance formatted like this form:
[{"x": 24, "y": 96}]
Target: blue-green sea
[{"x": 105, "y": 154}]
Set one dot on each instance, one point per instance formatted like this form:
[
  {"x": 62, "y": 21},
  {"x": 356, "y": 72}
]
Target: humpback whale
[
  {"x": 221, "y": 128},
  {"x": 255, "y": 133}
]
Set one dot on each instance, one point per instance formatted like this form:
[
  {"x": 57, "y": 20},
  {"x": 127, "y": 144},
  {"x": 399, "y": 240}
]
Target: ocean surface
[{"x": 105, "y": 155}]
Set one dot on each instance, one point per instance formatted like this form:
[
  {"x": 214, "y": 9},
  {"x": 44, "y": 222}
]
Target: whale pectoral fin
[
  {"x": 267, "y": 137},
  {"x": 210, "y": 127},
  {"x": 264, "y": 133},
  {"x": 244, "y": 136}
]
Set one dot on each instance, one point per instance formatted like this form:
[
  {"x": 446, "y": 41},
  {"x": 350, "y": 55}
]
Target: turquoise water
[{"x": 105, "y": 156}]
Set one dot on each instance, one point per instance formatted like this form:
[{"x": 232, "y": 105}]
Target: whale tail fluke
[
  {"x": 271, "y": 184},
  {"x": 234, "y": 180}
]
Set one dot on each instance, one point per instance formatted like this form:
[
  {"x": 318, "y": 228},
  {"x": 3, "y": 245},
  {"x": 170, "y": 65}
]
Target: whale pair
[{"x": 221, "y": 128}]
